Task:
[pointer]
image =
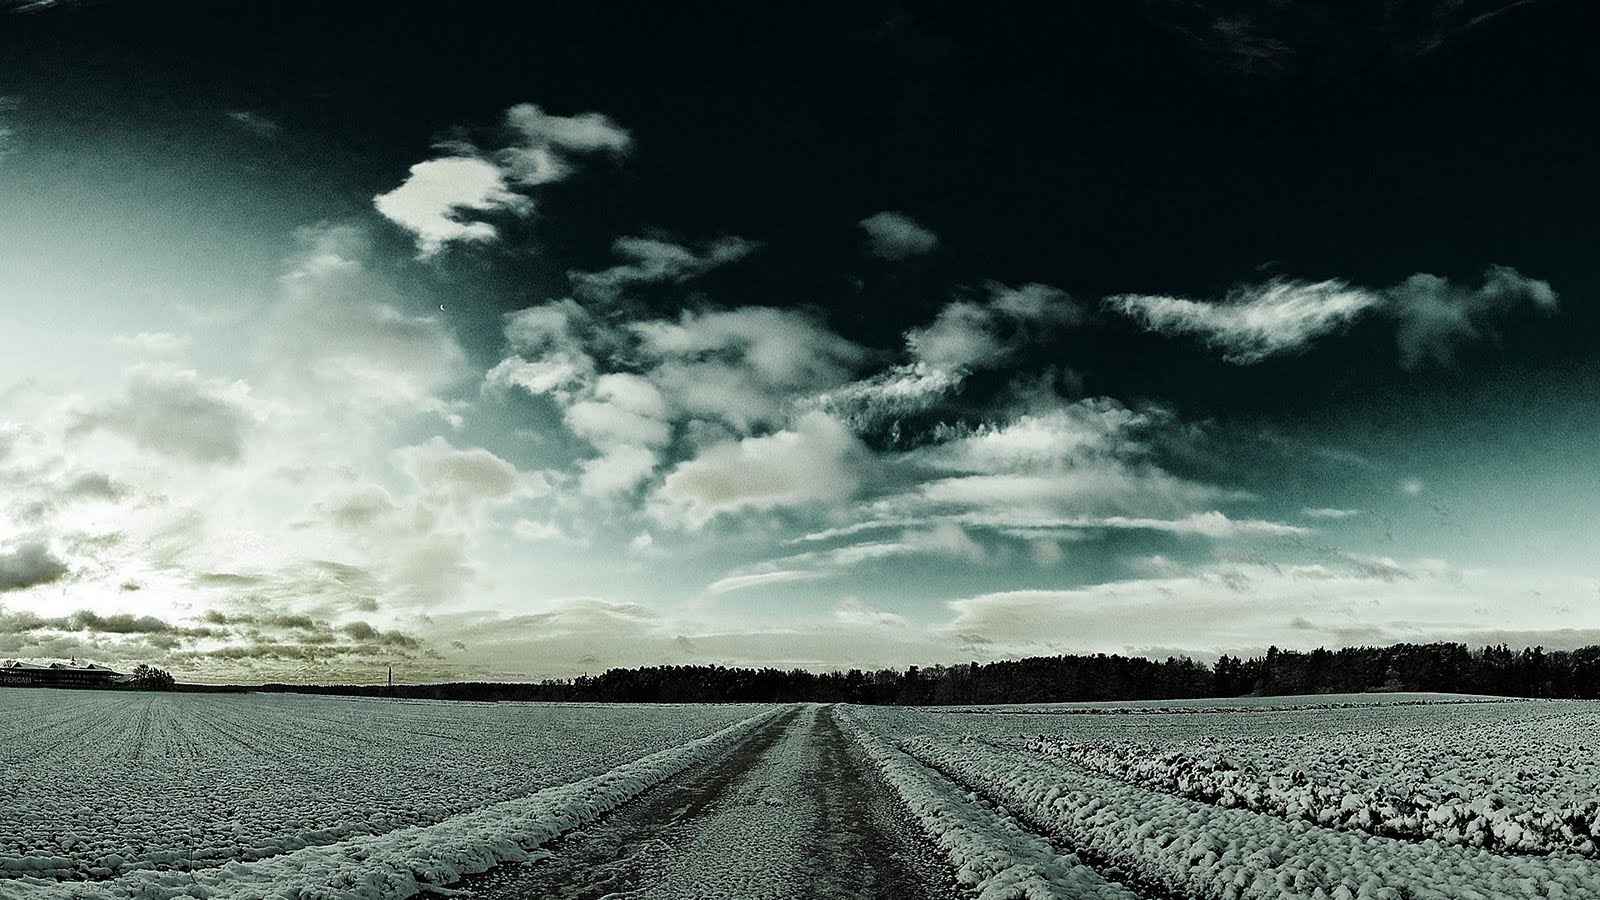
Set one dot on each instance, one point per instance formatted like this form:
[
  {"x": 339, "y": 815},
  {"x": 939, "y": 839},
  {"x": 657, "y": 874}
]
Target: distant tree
[{"x": 152, "y": 679}]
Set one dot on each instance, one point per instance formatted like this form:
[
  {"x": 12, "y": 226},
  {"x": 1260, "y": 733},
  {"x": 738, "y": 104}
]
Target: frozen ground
[{"x": 149, "y": 797}]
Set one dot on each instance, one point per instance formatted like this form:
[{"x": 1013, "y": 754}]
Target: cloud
[
  {"x": 534, "y": 532},
  {"x": 435, "y": 200},
  {"x": 442, "y": 200},
  {"x": 28, "y": 565},
  {"x": 969, "y": 335},
  {"x": 1253, "y": 322},
  {"x": 652, "y": 261},
  {"x": 617, "y": 470},
  {"x": 1083, "y": 465},
  {"x": 7, "y": 133},
  {"x": 463, "y": 478},
  {"x": 815, "y": 462},
  {"x": 854, "y": 613},
  {"x": 744, "y": 366},
  {"x": 153, "y": 343},
  {"x": 177, "y": 413},
  {"x": 1220, "y": 607},
  {"x": 257, "y": 124},
  {"x": 882, "y": 400},
  {"x": 546, "y": 144},
  {"x": 1433, "y": 316},
  {"x": 762, "y": 579},
  {"x": 1328, "y": 512},
  {"x": 895, "y": 236},
  {"x": 339, "y": 343}
]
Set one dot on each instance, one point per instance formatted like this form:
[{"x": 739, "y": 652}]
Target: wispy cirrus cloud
[
  {"x": 1432, "y": 316},
  {"x": 1253, "y": 322}
]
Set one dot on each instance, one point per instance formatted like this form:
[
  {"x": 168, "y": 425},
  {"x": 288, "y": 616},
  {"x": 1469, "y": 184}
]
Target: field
[{"x": 156, "y": 796}]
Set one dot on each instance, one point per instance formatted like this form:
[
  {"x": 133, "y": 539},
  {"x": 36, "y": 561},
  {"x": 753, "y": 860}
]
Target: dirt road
[{"x": 793, "y": 811}]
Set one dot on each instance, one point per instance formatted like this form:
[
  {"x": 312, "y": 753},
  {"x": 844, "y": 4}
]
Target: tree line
[{"x": 1445, "y": 667}]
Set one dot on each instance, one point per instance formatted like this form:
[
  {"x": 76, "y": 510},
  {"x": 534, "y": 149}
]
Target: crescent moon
[{"x": 441, "y": 307}]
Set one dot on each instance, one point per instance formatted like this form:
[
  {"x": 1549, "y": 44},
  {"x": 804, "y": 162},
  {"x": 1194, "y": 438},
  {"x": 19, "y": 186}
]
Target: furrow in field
[
  {"x": 403, "y": 862},
  {"x": 993, "y": 854},
  {"x": 1208, "y": 853}
]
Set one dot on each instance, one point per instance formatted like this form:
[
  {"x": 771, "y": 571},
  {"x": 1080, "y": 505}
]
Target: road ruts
[{"x": 793, "y": 812}]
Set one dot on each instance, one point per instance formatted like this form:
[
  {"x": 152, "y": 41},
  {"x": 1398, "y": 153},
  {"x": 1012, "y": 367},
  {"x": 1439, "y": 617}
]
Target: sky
[{"x": 517, "y": 341}]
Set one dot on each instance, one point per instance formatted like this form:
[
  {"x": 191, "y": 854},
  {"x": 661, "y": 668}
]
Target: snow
[
  {"x": 402, "y": 862},
  {"x": 1200, "y": 850},
  {"x": 995, "y": 856},
  {"x": 100, "y": 786}
]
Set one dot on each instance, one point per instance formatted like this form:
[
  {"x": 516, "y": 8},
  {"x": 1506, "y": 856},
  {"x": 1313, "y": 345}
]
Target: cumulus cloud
[
  {"x": 744, "y": 366},
  {"x": 436, "y": 201},
  {"x": 442, "y": 201},
  {"x": 1434, "y": 316},
  {"x": 1253, "y": 322},
  {"x": 895, "y": 236},
  {"x": 815, "y": 462},
  {"x": 652, "y": 261},
  {"x": 546, "y": 145},
  {"x": 463, "y": 478},
  {"x": 28, "y": 565},
  {"x": 177, "y": 413},
  {"x": 969, "y": 335}
]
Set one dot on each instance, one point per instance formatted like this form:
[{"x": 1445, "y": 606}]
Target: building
[{"x": 57, "y": 674}]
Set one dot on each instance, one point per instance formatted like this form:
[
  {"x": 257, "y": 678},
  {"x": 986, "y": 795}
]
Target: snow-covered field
[
  {"x": 99, "y": 787},
  {"x": 124, "y": 796},
  {"x": 1413, "y": 797}
]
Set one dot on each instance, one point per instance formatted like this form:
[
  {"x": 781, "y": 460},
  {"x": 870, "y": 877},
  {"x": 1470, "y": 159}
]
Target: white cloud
[
  {"x": 442, "y": 200},
  {"x": 464, "y": 478},
  {"x": 889, "y": 396},
  {"x": 1226, "y": 607},
  {"x": 177, "y": 413},
  {"x": 854, "y": 613},
  {"x": 814, "y": 463},
  {"x": 435, "y": 200},
  {"x": 1254, "y": 322},
  {"x": 618, "y": 469},
  {"x": 894, "y": 236},
  {"x": 546, "y": 144},
  {"x": 744, "y": 366},
  {"x": 1329, "y": 512},
  {"x": 970, "y": 335},
  {"x": 762, "y": 579},
  {"x": 653, "y": 261}
]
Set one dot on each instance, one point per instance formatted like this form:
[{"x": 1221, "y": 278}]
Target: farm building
[{"x": 56, "y": 674}]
